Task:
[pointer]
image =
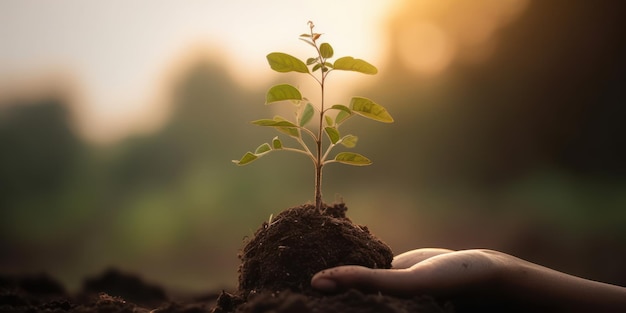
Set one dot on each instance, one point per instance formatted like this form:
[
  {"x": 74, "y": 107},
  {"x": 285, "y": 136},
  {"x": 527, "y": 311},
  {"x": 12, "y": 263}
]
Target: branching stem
[
  {"x": 330, "y": 147},
  {"x": 319, "y": 162},
  {"x": 308, "y": 153},
  {"x": 282, "y": 62}
]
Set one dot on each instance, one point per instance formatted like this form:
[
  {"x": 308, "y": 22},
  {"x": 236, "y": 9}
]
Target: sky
[
  {"x": 118, "y": 55},
  {"x": 118, "y": 59}
]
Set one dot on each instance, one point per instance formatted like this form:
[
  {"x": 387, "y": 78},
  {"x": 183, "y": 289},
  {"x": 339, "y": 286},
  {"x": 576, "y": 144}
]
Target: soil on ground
[{"x": 275, "y": 272}]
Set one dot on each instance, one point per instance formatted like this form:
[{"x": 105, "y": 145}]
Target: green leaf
[
  {"x": 352, "y": 159},
  {"x": 306, "y": 35},
  {"x": 333, "y": 134},
  {"x": 262, "y": 149},
  {"x": 329, "y": 120},
  {"x": 311, "y": 61},
  {"x": 282, "y": 92},
  {"x": 341, "y": 117},
  {"x": 356, "y": 65},
  {"x": 326, "y": 50},
  {"x": 307, "y": 114},
  {"x": 281, "y": 125},
  {"x": 316, "y": 67},
  {"x": 246, "y": 159},
  {"x": 342, "y": 108},
  {"x": 275, "y": 123},
  {"x": 367, "y": 108},
  {"x": 349, "y": 141},
  {"x": 344, "y": 113},
  {"x": 283, "y": 63},
  {"x": 276, "y": 143},
  {"x": 291, "y": 130}
]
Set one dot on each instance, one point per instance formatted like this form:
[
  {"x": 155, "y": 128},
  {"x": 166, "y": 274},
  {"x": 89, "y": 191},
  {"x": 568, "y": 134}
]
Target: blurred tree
[
  {"x": 205, "y": 104},
  {"x": 39, "y": 154}
]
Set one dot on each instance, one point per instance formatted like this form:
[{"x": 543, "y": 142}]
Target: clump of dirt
[
  {"x": 277, "y": 265},
  {"x": 287, "y": 251}
]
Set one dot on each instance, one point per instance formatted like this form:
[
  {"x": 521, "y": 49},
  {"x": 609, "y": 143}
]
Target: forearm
[{"x": 544, "y": 288}]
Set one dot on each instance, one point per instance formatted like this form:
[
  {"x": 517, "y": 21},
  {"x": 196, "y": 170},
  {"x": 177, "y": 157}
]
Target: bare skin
[{"x": 478, "y": 276}]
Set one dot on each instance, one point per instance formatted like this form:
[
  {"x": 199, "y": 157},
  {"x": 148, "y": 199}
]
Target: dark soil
[
  {"x": 277, "y": 265},
  {"x": 41, "y": 293},
  {"x": 276, "y": 268},
  {"x": 286, "y": 252}
]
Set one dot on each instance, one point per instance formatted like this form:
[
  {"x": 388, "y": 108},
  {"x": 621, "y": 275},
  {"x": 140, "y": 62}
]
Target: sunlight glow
[
  {"x": 432, "y": 34},
  {"x": 425, "y": 47}
]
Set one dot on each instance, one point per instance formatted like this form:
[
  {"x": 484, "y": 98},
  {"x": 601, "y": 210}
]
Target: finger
[
  {"x": 363, "y": 278},
  {"x": 410, "y": 258},
  {"x": 443, "y": 274}
]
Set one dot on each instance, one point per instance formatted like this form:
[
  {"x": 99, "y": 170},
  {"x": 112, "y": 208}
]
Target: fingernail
[{"x": 324, "y": 284}]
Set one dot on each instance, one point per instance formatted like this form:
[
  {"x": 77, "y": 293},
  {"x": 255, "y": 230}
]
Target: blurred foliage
[
  {"x": 523, "y": 153},
  {"x": 148, "y": 199},
  {"x": 39, "y": 157}
]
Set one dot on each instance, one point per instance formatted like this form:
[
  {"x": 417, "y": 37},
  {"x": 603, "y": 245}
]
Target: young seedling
[{"x": 318, "y": 67}]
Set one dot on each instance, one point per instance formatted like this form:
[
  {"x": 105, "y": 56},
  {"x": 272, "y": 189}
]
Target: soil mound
[{"x": 288, "y": 250}]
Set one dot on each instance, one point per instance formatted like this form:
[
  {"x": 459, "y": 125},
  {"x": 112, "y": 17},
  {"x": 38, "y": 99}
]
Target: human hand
[
  {"x": 430, "y": 270},
  {"x": 478, "y": 277}
]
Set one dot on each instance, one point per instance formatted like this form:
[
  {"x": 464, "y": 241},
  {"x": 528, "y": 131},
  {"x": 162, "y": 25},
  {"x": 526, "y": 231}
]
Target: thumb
[{"x": 362, "y": 278}]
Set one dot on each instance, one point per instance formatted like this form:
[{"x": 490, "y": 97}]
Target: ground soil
[
  {"x": 301, "y": 241},
  {"x": 275, "y": 272}
]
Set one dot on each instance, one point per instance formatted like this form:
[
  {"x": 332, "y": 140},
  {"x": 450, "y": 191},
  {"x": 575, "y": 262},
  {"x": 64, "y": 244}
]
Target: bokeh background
[{"x": 118, "y": 121}]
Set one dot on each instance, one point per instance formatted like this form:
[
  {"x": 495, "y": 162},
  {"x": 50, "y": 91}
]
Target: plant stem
[{"x": 320, "y": 162}]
